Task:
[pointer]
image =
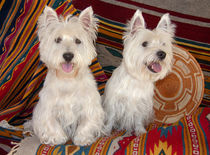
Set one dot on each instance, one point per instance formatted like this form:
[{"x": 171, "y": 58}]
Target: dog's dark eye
[
  {"x": 77, "y": 41},
  {"x": 58, "y": 40},
  {"x": 144, "y": 44}
]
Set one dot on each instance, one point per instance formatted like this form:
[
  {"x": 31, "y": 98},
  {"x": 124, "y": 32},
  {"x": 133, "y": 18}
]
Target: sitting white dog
[
  {"x": 69, "y": 104},
  {"x": 147, "y": 57}
]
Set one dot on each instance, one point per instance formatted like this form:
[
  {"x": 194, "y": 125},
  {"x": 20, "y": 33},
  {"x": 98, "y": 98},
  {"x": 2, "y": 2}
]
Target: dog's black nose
[
  {"x": 68, "y": 56},
  {"x": 161, "y": 55}
]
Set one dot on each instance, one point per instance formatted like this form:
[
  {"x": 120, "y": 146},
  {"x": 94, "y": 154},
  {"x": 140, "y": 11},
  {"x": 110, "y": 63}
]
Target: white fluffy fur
[
  {"x": 69, "y": 104},
  {"x": 128, "y": 98}
]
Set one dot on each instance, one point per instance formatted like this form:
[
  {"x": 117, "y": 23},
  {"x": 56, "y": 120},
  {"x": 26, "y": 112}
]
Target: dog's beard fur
[
  {"x": 147, "y": 57},
  {"x": 69, "y": 105}
]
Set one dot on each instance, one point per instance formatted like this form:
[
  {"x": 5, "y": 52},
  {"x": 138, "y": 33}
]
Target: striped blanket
[{"x": 22, "y": 74}]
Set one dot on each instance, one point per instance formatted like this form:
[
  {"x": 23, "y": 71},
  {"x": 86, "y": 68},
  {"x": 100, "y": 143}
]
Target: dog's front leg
[
  {"x": 139, "y": 124},
  {"x": 45, "y": 123},
  {"x": 90, "y": 125},
  {"x": 52, "y": 133},
  {"x": 84, "y": 134},
  {"x": 109, "y": 123}
]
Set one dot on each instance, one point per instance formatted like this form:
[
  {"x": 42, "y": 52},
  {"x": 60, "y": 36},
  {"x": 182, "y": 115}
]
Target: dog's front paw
[
  {"x": 107, "y": 130},
  {"x": 140, "y": 131},
  {"x": 82, "y": 140},
  {"x": 53, "y": 138}
]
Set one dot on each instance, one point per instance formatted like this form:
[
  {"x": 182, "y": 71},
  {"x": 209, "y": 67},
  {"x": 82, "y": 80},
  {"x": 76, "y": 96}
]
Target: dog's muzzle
[
  {"x": 68, "y": 56},
  {"x": 67, "y": 66},
  {"x": 156, "y": 67},
  {"x": 161, "y": 55}
]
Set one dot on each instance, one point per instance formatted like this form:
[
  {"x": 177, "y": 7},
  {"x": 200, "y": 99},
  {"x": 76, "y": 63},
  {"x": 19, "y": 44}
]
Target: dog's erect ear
[
  {"x": 49, "y": 16},
  {"x": 136, "y": 22},
  {"x": 85, "y": 17},
  {"x": 166, "y": 25},
  {"x": 88, "y": 20}
]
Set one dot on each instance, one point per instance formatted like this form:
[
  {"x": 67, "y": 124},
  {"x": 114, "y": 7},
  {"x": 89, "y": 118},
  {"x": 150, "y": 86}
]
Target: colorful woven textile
[
  {"x": 21, "y": 72},
  {"x": 192, "y": 32},
  {"x": 22, "y": 76},
  {"x": 188, "y": 136}
]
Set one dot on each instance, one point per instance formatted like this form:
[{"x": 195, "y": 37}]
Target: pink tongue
[
  {"x": 67, "y": 67},
  {"x": 156, "y": 67}
]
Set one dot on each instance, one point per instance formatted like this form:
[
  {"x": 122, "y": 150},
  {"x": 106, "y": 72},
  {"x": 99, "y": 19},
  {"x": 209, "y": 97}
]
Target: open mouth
[
  {"x": 154, "y": 67},
  {"x": 67, "y": 67}
]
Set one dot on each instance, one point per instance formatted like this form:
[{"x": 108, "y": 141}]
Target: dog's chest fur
[
  {"x": 132, "y": 97},
  {"x": 130, "y": 88},
  {"x": 69, "y": 96}
]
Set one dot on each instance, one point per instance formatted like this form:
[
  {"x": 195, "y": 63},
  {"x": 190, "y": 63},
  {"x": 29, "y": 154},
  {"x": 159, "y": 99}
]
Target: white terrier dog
[
  {"x": 147, "y": 57},
  {"x": 69, "y": 104}
]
